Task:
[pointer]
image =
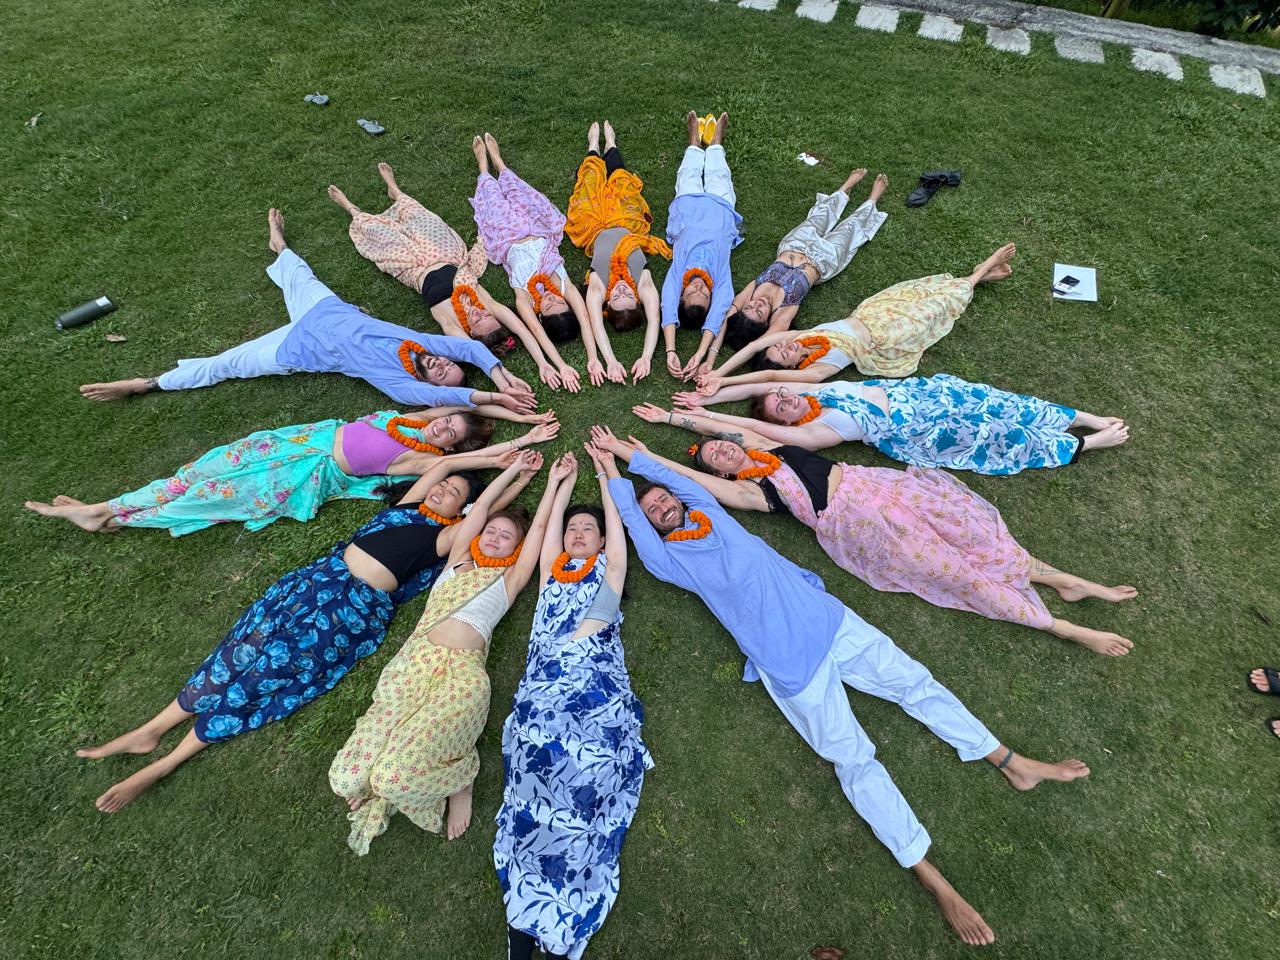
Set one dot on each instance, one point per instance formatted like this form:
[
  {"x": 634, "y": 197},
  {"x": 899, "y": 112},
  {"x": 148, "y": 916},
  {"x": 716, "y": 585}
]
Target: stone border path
[{"x": 1238, "y": 67}]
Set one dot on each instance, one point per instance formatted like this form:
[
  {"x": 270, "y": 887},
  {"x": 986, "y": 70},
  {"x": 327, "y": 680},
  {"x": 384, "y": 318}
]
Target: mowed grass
[{"x": 168, "y": 129}]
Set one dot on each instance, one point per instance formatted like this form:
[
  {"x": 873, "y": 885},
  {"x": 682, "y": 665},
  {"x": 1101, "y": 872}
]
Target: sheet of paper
[{"x": 1085, "y": 291}]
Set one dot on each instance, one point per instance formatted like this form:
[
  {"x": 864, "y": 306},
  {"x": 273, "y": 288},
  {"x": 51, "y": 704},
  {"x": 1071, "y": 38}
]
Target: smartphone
[{"x": 1066, "y": 284}]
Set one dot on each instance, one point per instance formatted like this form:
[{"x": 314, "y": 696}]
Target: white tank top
[
  {"x": 522, "y": 263},
  {"x": 483, "y": 611}
]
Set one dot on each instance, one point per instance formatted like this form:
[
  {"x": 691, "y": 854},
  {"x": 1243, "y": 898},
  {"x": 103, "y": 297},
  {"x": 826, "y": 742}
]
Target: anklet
[{"x": 1005, "y": 762}]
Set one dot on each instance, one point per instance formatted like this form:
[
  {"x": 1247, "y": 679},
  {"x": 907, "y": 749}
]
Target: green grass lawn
[{"x": 168, "y": 129}]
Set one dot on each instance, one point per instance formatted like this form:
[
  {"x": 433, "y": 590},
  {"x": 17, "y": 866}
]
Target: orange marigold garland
[
  {"x": 696, "y": 273},
  {"x": 815, "y": 410},
  {"x": 823, "y": 345},
  {"x": 559, "y": 572},
  {"x": 408, "y": 351},
  {"x": 541, "y": 280},
  {"x": 460, "y": 311},
  {"x": 618, "y": 269},
  {"x": 432, "y": 515},
  {"x": 768, "y": 464},
  {"x": 481, "y": 559},
  {"x": 703, "y": 528},
  {"x": 393, "y": 429}
]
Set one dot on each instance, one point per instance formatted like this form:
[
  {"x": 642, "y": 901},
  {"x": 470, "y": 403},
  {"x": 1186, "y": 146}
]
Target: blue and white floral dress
[
  {"x": 574, "y": 764},
  {"x": 943, "y": 421},
  {"x": 297, "y": 640}
]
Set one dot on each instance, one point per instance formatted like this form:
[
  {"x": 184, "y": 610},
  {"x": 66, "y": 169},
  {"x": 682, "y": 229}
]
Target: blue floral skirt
[
  {"x": 574, "y": 764},
  {"x": 293, "y": 644}
]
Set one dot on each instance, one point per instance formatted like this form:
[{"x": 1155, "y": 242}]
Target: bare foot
[
  {"x": 117, "y": 389},
  {"x": 853, "y": 179},
  {"x": 275, "y": 230},
  {"x": 140, "y": 740},
  {"x": 459, "y": 813},
  {"x": 878, "y": 188},
  {"x": 1099, "y": 641},
  {"x": 127, "y": 790},
  {"x": 1111, "y": 435},
  {"x": 985, "y": 270},
  {"x": 1072, "y": 589},
  {"x": 963, "y": 919},
  {"x": 609, "y": 139},
  {"x": 482, "y": 158},
  {"x": 1025, "y": 774},
  {"x": 593, "y": 137},
  {"x": 389, "y": 178},
  {"x": 491, "y": 144},
  {"x": 87, "y": 516},
  {"x": 1275, "y": 726},
  {"x": 1002, "y": 272},
  {"x": 722, "y": 124},
  {"x": 340, "y": 198},
  {"x": 357, "y": 803},
  {"x": 691, "y": 121}
]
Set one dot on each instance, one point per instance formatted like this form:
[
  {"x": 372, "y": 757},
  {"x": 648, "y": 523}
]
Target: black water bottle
[{"x": 85, "y": 313}]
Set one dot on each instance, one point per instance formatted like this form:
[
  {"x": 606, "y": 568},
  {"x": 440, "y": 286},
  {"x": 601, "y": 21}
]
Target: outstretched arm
[
  {"x": 750, "y": 350},
  {"x": 456, "y": 538},
  {"x": 615, "y": 537},
  {"x": 703, "y": 424},
  {"x": 535, "y": 540},
  {"x": 547, "y": 373},
  {"x": 595, "y": 371},
  {"x": 613, "y": 371},
  {"x": 524, "y": 307},
  {"x": 441, "y": 467},
  {"x": 653, "y": 320},
  {"x": 814, "y": 435},
  {"x": 564, "y": 472},
  {"x": 739, "y": 494}
]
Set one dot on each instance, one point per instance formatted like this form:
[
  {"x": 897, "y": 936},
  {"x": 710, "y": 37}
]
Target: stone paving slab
[
  {"x": 823, "y": 11},
  {"x": 765, "y": 5},
  {"x": 1237, "y": 79},
  {"x": 1153, "y": 61},
  {"x": 1079, "y": 48},
  {"x": 873, "y": 17},
  {"x": 1012, "y": 40},
  {"x": 941, "y": 28}
]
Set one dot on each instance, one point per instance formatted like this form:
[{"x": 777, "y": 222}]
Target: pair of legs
[
  {"x": 826, "y": 241},
  {"x": 612, "y": 155},
  {"x": 1072, "y": 588},
  {"x": 706, "y": 171},
  {"x": 142, "y": 740},
  {"x": 255, "y": 358},
  {"x": 864, "y": 658},
  {"x": 388, "y": 177}
]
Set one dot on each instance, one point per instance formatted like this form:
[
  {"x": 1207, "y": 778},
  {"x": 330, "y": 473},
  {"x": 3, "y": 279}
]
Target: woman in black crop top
[
  {"x": 312, "y": 625},
  {"x": 419, "y": 249},
  {"x": 908, "y": 531}
]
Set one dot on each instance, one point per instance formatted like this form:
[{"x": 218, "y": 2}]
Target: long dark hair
[
  {"x": 479, "y": 430},
  {"x": 740, "y": 330},
  {"x": 691, "y": 317},
  {"x": 517, "y": 515},
  {"x": 393, "y": 493},
  {"x": 561, "y": 327},
  {"x": 624, "y": 320}
]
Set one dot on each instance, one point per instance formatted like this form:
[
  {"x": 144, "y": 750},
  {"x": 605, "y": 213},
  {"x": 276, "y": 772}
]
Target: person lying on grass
[
  {"x": 938, "y": 421},
  {"x": 702, "y": 227},
  {"x": 294, "y": 471},
  {"x": 325, "y": 334},
  {"x": 419, "y": 249},
  {"x": 903, "y": 531},
  {"x": 414, "y": 750},
  {"x": 609, "y": 220},
  {"x": 805, "y": 646},
  {"x": 814, "y": 252},
  {"x": 521, "y": 230},
  {"x": 572, "y": 755},
  {"x": 885, "y": 337},
  {"x": 302, "y": 636}
]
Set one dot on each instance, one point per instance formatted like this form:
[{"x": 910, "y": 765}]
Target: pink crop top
[{"x": 369, "y": 451}]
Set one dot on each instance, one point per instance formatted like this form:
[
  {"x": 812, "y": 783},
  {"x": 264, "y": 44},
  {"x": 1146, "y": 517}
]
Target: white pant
[
  {"x": 827, "y": 242},
  {"x": 867, "y": 660},
  {"x": 257, "y": 357},
  {"x": 706, "y": 171}
]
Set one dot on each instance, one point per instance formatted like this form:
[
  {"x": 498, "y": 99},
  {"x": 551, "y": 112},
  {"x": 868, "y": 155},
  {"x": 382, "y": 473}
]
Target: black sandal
[{"x": 1273, "y": 681}]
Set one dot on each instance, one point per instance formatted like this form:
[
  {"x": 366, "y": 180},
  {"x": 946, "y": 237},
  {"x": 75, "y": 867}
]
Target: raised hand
[
  {"x": 603, "y": 438},
  {"x": 564, "y": 468},
  {"x": 650, "y": 412},
  {"x": 507, "y": 458},
  {"x": 543, "y": 432},
  {"x": 549, "y": 375},
  {"x": 595, "y": 370},
  {"x": 639, "y": 370},
  {"x": 690, "y": 368},
  {"x": 569, "y": 377},
  {"x": 603, "y": 459},
  {"x": 673, "y": 365},
  {"x": 530, "y": 463}
]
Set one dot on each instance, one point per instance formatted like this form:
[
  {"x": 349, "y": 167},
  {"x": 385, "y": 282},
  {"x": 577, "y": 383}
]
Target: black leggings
[
  {"x": 520, "y": 946},
  {"x": 612, "y": 160}
]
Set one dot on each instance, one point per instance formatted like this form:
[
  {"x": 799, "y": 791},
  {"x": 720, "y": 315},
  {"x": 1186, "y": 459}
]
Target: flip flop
[
  {"x": 930, "y": 181},
  {"x": 1270, "y": 729},
  {"x": 319, "y": 99},
  {"x": 1273, "y": 681},
  {"x": 371, "y": 127}
]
